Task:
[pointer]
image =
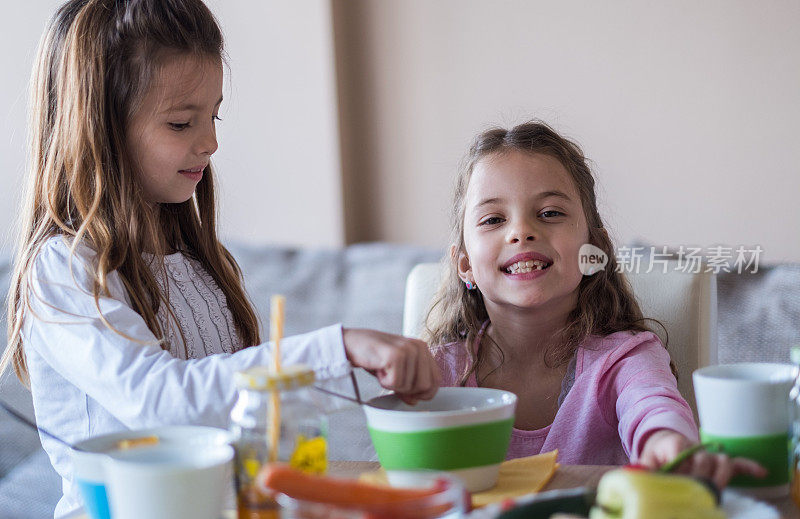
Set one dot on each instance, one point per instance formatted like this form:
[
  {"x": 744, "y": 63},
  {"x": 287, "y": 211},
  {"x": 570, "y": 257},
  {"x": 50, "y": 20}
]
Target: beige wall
[
  {"x": 689, "y": 110},
  {"x": 278, "y": 161},
  {"x": 345, "y": 120},
  {"x": 279, "y": 140}
]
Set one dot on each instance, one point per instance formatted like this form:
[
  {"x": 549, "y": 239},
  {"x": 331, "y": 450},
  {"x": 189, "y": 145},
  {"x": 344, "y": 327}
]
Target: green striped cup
[
  {"x": 745, "y": 408},
  {"x": 462, "y": 430}
]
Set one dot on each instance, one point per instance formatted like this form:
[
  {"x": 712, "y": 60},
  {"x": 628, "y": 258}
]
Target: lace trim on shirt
[
  {"x": 230, "y": 341},
  {"x": 183, "y": 320},
  {"x": 195, "y": 288},
  {"x": 168, "y": 322},
  {"x": 233, "y": 341},
  {"x": 238, "y": 343},
  {"x": 217, "y": 305},
  {"x": 181, "y": 277}
]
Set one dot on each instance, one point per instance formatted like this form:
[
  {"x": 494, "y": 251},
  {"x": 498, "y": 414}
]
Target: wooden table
[{"x": 567, "y": 476}]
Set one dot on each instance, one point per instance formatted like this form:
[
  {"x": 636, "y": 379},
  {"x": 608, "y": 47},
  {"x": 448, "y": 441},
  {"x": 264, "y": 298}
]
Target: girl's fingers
[
  {"x": 410, "y": 381},
  {"x": 667, "y": 448},
  {"x": 703, "y": 465},
  {"x": 410, "y": 369},
  {"x": 726, "y": 468},
  {"x": 723, "y": 471},
  {"x": 391, "y": 373},
  {"x": 423, "y": 379},
  {"x": 436, "y": 379},
  {"x": 427, "y": 390},
  {"x": 401, "y": 364},
  {"x": 404, "y": 362},
  {"x": 749, "y": 467},
  {"x": 425, "y": 383},
  {"x": 686, "y": 467}
]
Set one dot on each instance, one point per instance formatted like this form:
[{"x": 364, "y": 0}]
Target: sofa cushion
[
  {"x": 758, "y": 314},
  {"x": 31, "y": 490}
]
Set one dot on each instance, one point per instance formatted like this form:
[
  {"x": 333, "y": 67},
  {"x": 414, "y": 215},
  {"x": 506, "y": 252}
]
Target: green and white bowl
[{"x": 462, "y": 430}]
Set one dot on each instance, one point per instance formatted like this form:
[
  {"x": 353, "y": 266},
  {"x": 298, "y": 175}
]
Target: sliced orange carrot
[{"x": 347, "y": 493}]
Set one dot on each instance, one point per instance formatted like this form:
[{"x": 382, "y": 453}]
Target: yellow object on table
[{"x": 517, "y": 477}]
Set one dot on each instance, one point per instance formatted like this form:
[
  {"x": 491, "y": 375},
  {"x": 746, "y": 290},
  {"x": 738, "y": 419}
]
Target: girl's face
[
  {"x": 523, "y": 227},
  {"x": 173, "y": 135}
]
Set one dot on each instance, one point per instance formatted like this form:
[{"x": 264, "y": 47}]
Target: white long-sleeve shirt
[{"x": 88, "y": 380}]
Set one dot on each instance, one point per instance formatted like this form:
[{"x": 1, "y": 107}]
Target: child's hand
[
  {"x": 403, "y": 365},
  {"x": 664, "y": 445}
]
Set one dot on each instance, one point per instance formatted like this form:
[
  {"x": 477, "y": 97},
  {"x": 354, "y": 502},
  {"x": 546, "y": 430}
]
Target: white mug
[
  {"x": 90, "y": 456},
  {"x": 169, "y": 482},
  {"x": 745, "y": 408}
]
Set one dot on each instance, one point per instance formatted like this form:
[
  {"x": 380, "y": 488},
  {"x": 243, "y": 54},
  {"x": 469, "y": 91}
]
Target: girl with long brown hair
[
  {"x": 516, "y": 312},
  {"x": 125, "y": 310}
]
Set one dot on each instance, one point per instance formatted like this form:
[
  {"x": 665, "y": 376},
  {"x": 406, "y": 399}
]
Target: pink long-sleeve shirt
[{"x": 623, "y": 390}]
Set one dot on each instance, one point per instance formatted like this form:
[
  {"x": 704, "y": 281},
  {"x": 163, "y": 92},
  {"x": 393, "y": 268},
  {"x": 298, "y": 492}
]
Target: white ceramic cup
[
  {"x": 745, "y": 408},
  {"x": 89, "y": 461},
  {"x": 168, "y": 482}
]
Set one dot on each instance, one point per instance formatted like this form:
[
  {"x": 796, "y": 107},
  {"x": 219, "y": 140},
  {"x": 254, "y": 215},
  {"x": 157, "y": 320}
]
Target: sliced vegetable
[
  {"x": 687, "y": 453},
  {"x": 336, "y": 491},
  {"x": 638, "y": 494},
  {"x": 374, "y": 501}
]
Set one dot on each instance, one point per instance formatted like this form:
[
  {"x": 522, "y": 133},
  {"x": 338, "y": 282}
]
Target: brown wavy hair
[
  {"x": 95, "y": 63},
  {"x": 606, "y": 303}
]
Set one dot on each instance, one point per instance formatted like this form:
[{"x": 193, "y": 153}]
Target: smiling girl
[
  {"x": 125, "y": 310},
  {"x": 516, "y": 313}
]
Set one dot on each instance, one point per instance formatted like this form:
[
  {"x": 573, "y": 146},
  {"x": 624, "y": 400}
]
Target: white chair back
[{"x": 685, "y": 303}]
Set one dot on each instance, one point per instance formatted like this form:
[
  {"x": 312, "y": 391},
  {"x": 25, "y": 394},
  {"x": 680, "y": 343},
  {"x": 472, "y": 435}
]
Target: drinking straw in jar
[{"x": 276, "y": 333}]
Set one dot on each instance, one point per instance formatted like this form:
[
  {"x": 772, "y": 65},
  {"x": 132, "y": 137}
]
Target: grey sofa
[{"x": 363, "y": 286}]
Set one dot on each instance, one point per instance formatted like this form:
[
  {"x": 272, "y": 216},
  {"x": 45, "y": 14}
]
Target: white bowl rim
[
  {"x": 221, "y": 455},
  {"x": 103, "y": 444},
  {"x": 781, "y": 373},
  {"x": 501, "y": 393}
]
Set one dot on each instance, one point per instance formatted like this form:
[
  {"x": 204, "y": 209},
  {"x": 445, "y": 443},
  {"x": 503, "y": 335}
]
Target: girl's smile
[
  {"x": 195, "y": 173},
  {"x": 523, "y": 227},
  {"x": 528, "y": 265}
]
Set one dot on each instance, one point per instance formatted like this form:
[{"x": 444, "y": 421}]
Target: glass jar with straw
[{"x": 275, "y": 419}]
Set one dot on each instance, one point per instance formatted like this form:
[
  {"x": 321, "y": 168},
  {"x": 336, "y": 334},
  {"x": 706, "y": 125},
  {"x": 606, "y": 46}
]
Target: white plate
[
  {"x": 734, "y": 504},
  {"x": 740, "y": 506}
]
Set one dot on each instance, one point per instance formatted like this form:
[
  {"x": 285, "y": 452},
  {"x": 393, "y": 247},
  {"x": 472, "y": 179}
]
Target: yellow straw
[
  {"x": 276, "y": 328},
  {"x": 276, "y": 333}
]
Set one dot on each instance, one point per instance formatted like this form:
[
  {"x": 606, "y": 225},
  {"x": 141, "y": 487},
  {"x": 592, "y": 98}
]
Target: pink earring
[{"x": 470, "y": 285}]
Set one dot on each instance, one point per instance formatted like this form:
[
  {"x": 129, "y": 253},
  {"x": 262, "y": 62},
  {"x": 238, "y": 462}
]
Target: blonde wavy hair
[
  {"x": 606, "y": 303},
  {"x": 95, "y": 63}
]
